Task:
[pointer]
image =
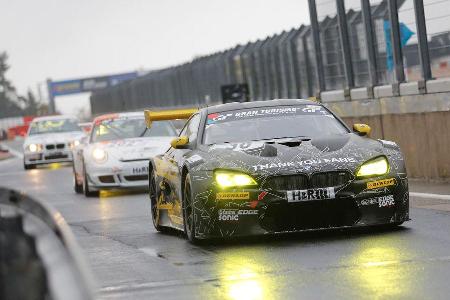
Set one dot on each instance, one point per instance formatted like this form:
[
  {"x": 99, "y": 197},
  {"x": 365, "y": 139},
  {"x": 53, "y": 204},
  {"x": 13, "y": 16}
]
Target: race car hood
[
  {"x": 135, "y": 148},
  {"x": 54, "y": 138},
  {"x": 346, "y": 151}
]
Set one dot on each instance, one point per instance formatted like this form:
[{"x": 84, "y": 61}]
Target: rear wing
[{"x": 163, "y": 115}]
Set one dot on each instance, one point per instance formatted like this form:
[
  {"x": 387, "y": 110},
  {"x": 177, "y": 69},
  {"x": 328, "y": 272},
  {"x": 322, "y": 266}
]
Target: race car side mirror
[
  {"x": 181, "y": 142},
  {"x": 361, "y": 129}
]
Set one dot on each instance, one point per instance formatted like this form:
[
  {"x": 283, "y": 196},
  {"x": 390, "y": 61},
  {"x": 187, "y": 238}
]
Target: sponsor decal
[
  {"x": 312, "y": 108},
  {"x": 233, "y": 214},
  {"x": 265, "y": 112},
  {"x": 382, "y": 201},
  {"x": 260, "y": 197},
  {"x": 233, "y": 196},
  {"x": 310, "y": 194},
  {"x": 306, "y": 162},
  {"x": 140, "y": 170},
  {"x": 380, "y": 183}
]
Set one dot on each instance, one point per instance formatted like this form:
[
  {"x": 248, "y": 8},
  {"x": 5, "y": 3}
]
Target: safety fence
[{"x": 362, "y": 43}]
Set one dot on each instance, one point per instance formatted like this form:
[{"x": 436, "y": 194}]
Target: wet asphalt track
[{"x": 132, "y": 261}]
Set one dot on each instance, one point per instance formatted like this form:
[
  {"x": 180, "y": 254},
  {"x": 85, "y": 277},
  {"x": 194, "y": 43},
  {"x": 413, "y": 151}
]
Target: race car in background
[
  {"x": 273, "y": 166},
  {"x": 116, "y": 154},
  {"x": 86, "y": 127},
  {"x": 50, "y": 139}
]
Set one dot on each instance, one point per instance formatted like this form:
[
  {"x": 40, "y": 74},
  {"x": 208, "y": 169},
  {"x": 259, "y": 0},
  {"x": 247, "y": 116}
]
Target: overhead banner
[{"x": 75, "y": 86}]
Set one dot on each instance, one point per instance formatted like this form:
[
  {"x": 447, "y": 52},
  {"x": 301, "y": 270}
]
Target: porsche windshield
[
  {"x": 266, "y": 123},
  {"x": 54, "y": 126},
  {"x": 125, "y": 128}
]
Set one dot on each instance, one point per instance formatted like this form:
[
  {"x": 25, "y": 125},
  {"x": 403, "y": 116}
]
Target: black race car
[{"x": 274, "y": 166}]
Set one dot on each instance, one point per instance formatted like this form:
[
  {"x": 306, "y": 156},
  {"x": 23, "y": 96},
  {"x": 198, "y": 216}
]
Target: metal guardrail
[
  {"x": 39, "y": 258},
  {"x": 349, "y": 44}
]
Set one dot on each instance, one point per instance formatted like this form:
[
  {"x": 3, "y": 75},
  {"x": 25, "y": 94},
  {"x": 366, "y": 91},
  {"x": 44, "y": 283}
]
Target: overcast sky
[{"x": 63, "y": 39}]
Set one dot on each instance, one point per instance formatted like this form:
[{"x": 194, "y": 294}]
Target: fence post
[
  {"x": 316, "y": 43},
  {"x": 370, "y": 42},
  {"x": 307, "y": 65},
  {"x": 424, "y": 55},
  {"x": 345, "y": 44},
  {"x": 395, "y": 41}
]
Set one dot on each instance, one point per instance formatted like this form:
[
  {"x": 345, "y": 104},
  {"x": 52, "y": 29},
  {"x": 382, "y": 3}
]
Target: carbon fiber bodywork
[{"x": 283, "y": 171}]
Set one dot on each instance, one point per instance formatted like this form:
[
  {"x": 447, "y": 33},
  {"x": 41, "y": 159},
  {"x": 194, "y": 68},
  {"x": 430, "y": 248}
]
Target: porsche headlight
[
  {"x": 373, "y": 167},
  {"x": 99, "y": 155},
  {"x": 233, "y": 179},
  {"x": 34, "y": 147},
  {"x": 73, "y": 144}
]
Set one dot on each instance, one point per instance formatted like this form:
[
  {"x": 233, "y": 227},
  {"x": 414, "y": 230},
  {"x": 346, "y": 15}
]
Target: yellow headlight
[
  {"x": 99, "y": 155},
  {"x": 229, "y": 179},
  {"x": 377, "y": 166}
]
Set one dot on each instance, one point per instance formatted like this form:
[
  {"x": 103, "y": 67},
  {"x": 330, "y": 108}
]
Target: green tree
[{"x": 9, "y": 101}]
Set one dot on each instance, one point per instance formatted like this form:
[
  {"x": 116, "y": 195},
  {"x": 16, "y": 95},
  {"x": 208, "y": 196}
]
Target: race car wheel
[
  {"x": 154, "y": 201},
  {"x": 86, "y": 190},
  {"x": 28, "y": 167},
  {"x": 76, "y": 186},
  {"x": 188, "y": 211}
]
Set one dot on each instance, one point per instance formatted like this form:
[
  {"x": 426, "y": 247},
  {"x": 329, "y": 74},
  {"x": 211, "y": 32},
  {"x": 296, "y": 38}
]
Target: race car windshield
[
  {"x": 54, "y": 126},
  {"x": 125, "y": 128},
  {"x": 269, "y": 123}
]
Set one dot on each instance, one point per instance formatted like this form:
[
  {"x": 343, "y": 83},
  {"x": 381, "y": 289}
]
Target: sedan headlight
[
  {"x": 34, "y": 147},
  {"x": 233, "y": 179},
  {"x": 374, "y": 167},
  {"x": 99, "y": 155},
  {"x": 73, "y": 144}
]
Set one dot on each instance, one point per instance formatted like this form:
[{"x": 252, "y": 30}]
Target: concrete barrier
[
  {"x": 39, "y": 258},
  {"x": 419, "y": 123}
]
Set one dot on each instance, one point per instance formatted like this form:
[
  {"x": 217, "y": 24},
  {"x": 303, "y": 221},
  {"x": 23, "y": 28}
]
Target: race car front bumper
[
  {"x": 126, "y": 175},
  {"x": 242, "y": 212},
  {"x": 48, "y": 156}
]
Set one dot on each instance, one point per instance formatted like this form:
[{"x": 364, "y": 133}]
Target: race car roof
[
  {"x": 52, "y": 118},
  {"x": 112, "y": 116},
  {"x": 255, "y": 104}
]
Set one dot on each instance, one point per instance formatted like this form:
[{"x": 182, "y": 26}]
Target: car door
[{"x": 173, "y": 161}]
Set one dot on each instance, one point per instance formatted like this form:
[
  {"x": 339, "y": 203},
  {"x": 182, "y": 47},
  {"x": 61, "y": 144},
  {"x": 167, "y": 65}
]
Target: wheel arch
[{"x": 184, "y": 173}]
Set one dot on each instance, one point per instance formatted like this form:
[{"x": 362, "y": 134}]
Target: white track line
[
  {"x": 13, "y": 152},
  {"x": 428, "y": 195}
]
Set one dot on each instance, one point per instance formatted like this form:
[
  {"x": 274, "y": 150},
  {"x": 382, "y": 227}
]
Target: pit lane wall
[
  {"x": 39, "y": 258},
  {"x": 415, "y": 115}
]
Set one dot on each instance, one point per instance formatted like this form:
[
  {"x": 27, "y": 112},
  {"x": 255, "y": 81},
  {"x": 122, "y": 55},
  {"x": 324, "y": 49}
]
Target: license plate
[
  {"x": 141, "y": 170},
  {"x": 310, "y": 194}
]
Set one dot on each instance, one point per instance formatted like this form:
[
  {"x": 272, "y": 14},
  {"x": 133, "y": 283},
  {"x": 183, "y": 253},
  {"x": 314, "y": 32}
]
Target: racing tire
[
  {"x": 189, "y": 221},
  {"x": 76, "y": 186},
  {"x": 29, "y": 167},
  {"x": 153, "y": 195},
  {"x": 87, "y": 192}
]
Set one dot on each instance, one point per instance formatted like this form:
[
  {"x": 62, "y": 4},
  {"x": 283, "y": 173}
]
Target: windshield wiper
[{"x": 143, "y": 132}]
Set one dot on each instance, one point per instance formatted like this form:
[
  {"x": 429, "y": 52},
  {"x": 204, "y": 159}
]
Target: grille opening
[
  {"x": 136, "y": 177},
  {"x": 287, "y": 182},
  {"x": 49, "y": 147},
  {"x": 56, "y": 156},
  {"x": 326, "y": 179},
  {"x": 106, "y": 179},
  {"x": 60, "y": 146},
  {"x": 302, "y": 181},
  {"x": 317, "y": 214}
]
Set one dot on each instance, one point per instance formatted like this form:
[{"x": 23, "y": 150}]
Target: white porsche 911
[
  {"x": 50, "y": 139},
  {"x": 116, "y": 154}
]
